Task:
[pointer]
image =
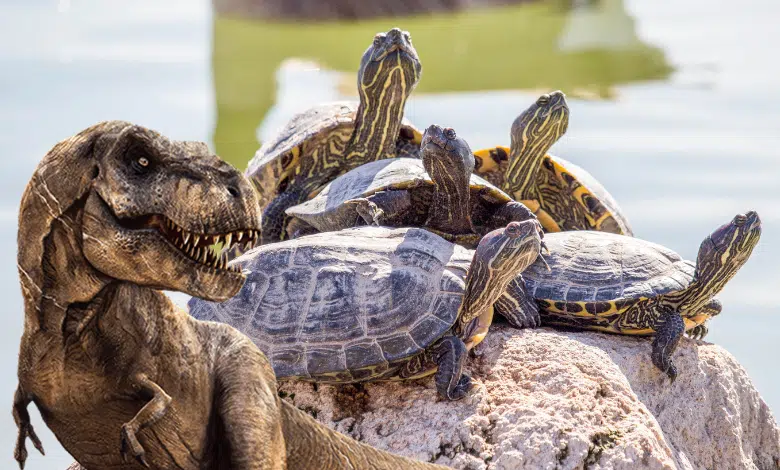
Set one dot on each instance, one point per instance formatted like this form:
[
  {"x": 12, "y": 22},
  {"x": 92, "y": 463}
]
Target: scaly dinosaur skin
[{"x": 121, "y": 375}]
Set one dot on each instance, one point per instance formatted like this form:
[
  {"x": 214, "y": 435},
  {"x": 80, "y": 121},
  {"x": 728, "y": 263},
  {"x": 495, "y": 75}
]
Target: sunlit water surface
[{"x": 675, "y": 108}]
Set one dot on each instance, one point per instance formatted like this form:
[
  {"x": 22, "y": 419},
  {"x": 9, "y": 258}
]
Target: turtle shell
[
  {"x": 346, "y": 306},
  {"x": 328, "y": 212},
  {"x": 328, "y": 125},
  {"x": 599, "y": 208},
  {"x": 598, "y": 274}
]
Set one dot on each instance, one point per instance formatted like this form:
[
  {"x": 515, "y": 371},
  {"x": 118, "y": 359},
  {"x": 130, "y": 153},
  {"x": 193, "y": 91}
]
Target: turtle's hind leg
[{"x": 669, "y": 328}]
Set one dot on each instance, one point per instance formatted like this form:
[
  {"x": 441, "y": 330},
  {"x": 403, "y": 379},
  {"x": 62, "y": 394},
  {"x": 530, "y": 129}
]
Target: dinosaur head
[{"x": 155, "y": 207}]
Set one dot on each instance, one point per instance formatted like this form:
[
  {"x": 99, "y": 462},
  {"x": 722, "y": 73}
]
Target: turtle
[
  {"x": 619, "y": 284},
  {"x": 563, "y": 195},
  {"x": 327, "y": 140},
  {"x": 438, "y": 192},
  {"x": 374, "y": 303}
]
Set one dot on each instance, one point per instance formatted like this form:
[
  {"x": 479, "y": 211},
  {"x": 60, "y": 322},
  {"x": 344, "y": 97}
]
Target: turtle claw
[
  {"x": 368, "y": 211},
  {"x": 544, "y": 247},
  {"x": 698, "y": 332}
]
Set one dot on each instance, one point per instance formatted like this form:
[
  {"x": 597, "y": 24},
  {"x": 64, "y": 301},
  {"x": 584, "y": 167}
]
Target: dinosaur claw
[{"x": 142, "y": 460}]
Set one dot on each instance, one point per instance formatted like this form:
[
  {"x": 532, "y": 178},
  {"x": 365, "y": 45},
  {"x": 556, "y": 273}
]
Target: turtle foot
[
  {"x": 368, "y": 211},
  {"x": 698, "y": 332},
  {"x": 460, "y": 390}
]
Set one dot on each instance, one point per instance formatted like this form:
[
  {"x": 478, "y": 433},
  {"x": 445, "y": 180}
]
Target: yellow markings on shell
[
  {"x": 601, "y": 220},
  {"x": 487, "y": 164},
  {"x": 548, "y": 223}
]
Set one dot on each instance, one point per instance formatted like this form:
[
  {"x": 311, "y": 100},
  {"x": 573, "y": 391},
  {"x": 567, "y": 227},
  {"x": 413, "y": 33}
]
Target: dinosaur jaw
[
  {"x": 209, "y": 250},
  {"x": 153, "y": 251}
]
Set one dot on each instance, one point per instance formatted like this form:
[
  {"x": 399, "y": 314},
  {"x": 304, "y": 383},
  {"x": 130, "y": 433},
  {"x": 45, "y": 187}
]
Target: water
[{"x": 674, "y": 104}]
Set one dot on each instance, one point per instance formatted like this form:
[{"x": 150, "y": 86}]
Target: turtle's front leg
[
  {"x": 274, "y": 218},
  {"x": 378, "y": 207},
  {"x": 22, "y": 419},
  {"x": 519, "y": 309},
  {"x": 669, "y": 328},
  {"x": 151, "y": 412},
  {"x": 449, "y": 353}
]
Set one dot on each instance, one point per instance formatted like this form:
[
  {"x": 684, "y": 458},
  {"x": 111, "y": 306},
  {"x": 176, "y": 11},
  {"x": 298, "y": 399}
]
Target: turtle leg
[
  {"x": 298, "y": 228},
  {"x": 669, "y": 328},
  {"x": 698, "y": 332},
  {"x": 519, "y": 309},
  {"x": 274, "y": 219},
  {"x": 450, "y": 353},
  {"x": 378, "y": 207}
]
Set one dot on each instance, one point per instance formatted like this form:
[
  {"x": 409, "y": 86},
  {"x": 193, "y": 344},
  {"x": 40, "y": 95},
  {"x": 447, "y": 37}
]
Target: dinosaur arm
[{"x": 313, "y": 445}]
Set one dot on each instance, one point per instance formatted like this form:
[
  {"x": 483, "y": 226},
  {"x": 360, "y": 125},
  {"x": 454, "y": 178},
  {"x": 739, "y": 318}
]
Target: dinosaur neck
[
  {"x": 313, "y": 445},
  {"x": 378, "y": 121},
  {"x": 67, "y": 277},
  {"x": 524, "y": 166}
]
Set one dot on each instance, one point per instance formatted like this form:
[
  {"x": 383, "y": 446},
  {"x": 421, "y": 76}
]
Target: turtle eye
[
  {"x": 740, "y": 220},
  {"x": 543, "y": 100},
  {"x": 512, "y": 230},
  {"x": 378, "y": 38},
  {"x": 450, "y": 133}
]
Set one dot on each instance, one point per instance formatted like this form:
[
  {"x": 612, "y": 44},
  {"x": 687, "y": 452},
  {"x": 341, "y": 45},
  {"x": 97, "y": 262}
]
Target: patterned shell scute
[
  {"x": 594, "y": 186},
  {"x": 372, "y": 177},
  {"x": 588, "y": 266},
  {"x": 344, "y": 301},
  {"x": 304, "y": 126}
]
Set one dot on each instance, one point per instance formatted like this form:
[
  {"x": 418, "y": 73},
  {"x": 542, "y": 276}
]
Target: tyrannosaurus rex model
[{"x": 121, "y": 376}]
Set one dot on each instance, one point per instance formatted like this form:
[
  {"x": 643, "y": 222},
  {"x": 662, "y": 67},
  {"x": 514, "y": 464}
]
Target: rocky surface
[{"x": 553, "y": 400}]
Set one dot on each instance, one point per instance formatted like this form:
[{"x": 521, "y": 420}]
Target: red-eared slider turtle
[
  {"x": 619, "y": 284},
  {"x": 374, "y": 303},
  {"x": 328, "y": 140},
  {"x": 562, "y": 195},
  {"x": 437, "y": 192}
]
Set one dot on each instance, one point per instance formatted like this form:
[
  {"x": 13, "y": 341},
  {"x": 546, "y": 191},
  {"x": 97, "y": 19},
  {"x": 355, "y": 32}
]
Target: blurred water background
[{"x": 675, "y": 109}]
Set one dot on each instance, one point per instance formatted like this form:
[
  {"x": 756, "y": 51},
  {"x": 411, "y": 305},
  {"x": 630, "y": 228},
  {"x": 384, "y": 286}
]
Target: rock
[{"x": 553, "y": 400}]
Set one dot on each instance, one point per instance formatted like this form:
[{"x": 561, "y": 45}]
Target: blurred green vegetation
[{"x": 512, "y": 47}]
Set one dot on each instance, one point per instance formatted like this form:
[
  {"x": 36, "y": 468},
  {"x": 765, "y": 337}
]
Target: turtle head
[
  {"x": 389, "y": 67},
  {"x": 533, "y": 132},
  {"x": 155, "y": 208},
  {"x": 449, "y": 162},
  {"x": 726, "y": 249},
  {"x": 721, "y": 255},
  {"x": 500, "y": 257},
  {"x": 537, "y": 128},
  {"x": 444, "y": 154}
]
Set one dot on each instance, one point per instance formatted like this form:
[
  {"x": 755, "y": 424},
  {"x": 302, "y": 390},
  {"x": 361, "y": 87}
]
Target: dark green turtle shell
[
  {"x": 328, "y": 212},
  {"x": 327, "y": 126},
  {"x": 346, "y": 306}
]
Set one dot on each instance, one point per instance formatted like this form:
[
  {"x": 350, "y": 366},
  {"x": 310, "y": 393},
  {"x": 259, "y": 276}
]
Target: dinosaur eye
[
  {"x": 450, "y": 133},
  {"x": 543, "y": 100},
  {"x": 143, "y": 161}
]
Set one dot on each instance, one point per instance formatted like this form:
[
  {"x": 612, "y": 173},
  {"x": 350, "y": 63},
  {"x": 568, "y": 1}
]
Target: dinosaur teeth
[
  {"x": 239, "y": 236},
  {"x": 195, "y": 239},
  {"x": 186, "y": 237},
  {"x": 228, "y": 240}
]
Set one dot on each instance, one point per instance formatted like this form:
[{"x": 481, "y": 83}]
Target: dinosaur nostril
[{"x": 233, "y": 191}]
